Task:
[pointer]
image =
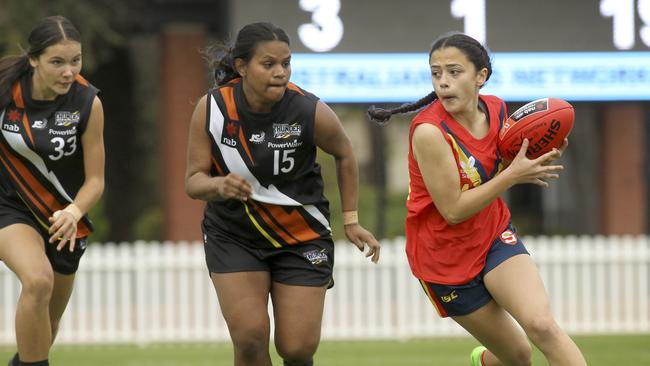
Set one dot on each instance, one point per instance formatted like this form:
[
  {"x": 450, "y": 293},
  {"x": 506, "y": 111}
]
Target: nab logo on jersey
[
  {"x": 230, "y": 142},
  {"x": 231, "y": 131},
  {"x": 10, "y": 127},
  {"x": 14, "y": 115}
]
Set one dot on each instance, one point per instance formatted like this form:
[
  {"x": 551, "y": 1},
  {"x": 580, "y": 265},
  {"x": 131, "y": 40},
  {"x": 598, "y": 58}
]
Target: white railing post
[{"x": 143, "y": 257}]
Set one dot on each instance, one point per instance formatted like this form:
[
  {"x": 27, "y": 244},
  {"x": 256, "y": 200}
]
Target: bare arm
[
  {"x": 440, "y": 173},
  {"x": 198, "y": 182},
  {"x": 332, "y": 139},
  {"x": 64, "y": 226}
]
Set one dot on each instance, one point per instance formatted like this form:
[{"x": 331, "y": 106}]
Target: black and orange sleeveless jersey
[
  {"x": 276, "y": 154},
  {"x": 41, "y": 154}
]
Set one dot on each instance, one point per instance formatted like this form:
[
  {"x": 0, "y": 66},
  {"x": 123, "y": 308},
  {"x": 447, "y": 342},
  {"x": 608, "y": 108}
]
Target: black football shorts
[
  {"x": 307, "y": 264},
  {"x": 62, "y": 261}
]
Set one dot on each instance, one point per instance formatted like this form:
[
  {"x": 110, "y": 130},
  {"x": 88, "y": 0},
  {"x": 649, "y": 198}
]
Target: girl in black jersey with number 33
[
  {"x": 51, "y": 174},
  {"x": 252, "y": 151}
]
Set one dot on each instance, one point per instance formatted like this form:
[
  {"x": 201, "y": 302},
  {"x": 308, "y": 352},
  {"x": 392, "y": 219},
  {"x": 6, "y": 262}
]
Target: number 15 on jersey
[{"x": 284, "y": 164}]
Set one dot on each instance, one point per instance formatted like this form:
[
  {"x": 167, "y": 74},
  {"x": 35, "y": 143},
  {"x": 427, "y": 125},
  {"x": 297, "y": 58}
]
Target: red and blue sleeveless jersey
[
  {"x": 453, "y": 254},
  {"x": 41, "y": 154},
  {"x": 276, "y": 153}
]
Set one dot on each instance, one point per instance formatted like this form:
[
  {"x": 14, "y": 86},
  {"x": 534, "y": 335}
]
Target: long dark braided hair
[
  {"x": 221, "y": 57},
  {"x": 475, "y": 52}
]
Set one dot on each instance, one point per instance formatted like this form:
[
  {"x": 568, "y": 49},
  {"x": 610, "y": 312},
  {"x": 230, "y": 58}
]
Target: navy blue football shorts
[
  {"x": 458, "y": 300},
  {"x": 308, "y": 264},
  {"x": 63, "y": 261}
]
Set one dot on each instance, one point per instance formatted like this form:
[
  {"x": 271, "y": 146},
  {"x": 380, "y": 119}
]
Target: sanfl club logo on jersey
[
  {"x": 285, "y": 130},
  {"x": 509, "y": 237},
  {"x": 65, "y": 118}
]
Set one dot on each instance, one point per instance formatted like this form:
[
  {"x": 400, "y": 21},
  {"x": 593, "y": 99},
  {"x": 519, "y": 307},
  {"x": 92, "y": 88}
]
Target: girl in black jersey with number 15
[
  {"x": 252, "y": 157},
  {"x": 51, "y": 174}
]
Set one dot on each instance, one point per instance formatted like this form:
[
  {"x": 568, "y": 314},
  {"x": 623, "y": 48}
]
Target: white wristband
[{"x": 350, "y": 217}]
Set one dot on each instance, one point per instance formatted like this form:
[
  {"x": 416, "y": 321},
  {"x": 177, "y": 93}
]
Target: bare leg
[
  {"x": 516, "y": 286},
  {"x": 298, "y": 314},
  {"x": 496, "y": 330},
  {"x": 243, "y": 297},
  {"x": 63, "y": 285},
  {"x": 21, "y": 248}
]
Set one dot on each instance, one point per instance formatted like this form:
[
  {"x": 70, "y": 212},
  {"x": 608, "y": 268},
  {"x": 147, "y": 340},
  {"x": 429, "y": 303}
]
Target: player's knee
[
  {"x": 522, "y": 355},
  {"x": 542, "y": 329},
  {"x": 38, "y": 285},
  {"x": 250, "y": 345},
  {"x": 297, "y": 352}
]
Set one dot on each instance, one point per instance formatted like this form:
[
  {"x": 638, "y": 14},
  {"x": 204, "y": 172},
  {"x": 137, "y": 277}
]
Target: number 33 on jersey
[{"x": 40, "y": 146}]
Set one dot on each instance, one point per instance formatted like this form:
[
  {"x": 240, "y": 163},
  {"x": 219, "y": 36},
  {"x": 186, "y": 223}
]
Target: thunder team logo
[
  {"x": 285, "y": 130},
  {"x": 64, "y": 118}
]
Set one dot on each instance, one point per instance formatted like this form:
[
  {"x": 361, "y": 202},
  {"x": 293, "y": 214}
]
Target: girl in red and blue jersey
[{"x": 460, "y": 243}]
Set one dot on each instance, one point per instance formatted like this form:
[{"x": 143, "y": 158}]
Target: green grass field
[{"x": 620, "y": 350}]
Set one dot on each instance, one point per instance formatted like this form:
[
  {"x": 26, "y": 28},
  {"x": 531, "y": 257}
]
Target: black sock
[
  {"x": 15, "y": 361},
  {"x": 37, "y": 363},
  {"x": 308, "y": 363}
]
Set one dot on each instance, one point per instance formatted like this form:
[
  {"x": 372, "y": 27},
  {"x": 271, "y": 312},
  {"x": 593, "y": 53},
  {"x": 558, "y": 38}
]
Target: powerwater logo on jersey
[
  {"x": 65, "y": 118},
  {"x": 285, "y": 130},
  {"x": 316, "y": 256},
  {"x": 230, "y": 137},
  {"x": 66, "y": 132}
]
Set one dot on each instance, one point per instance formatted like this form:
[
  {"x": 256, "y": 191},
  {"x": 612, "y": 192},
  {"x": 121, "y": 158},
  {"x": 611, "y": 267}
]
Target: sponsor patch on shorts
[{"x": 316, "y": 256}]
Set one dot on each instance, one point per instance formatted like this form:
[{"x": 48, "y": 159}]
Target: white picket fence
[{"x": 160, "y": 292}]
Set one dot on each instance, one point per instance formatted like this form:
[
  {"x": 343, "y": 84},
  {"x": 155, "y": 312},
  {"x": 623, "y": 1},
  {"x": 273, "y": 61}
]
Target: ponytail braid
[{"x": 381, "y": 115}]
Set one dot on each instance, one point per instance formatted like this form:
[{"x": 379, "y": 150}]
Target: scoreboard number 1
[{"x": 325, "y": 31}]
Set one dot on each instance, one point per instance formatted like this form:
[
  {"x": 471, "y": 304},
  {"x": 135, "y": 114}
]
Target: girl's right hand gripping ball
[{"x": 544, "y": 122}]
